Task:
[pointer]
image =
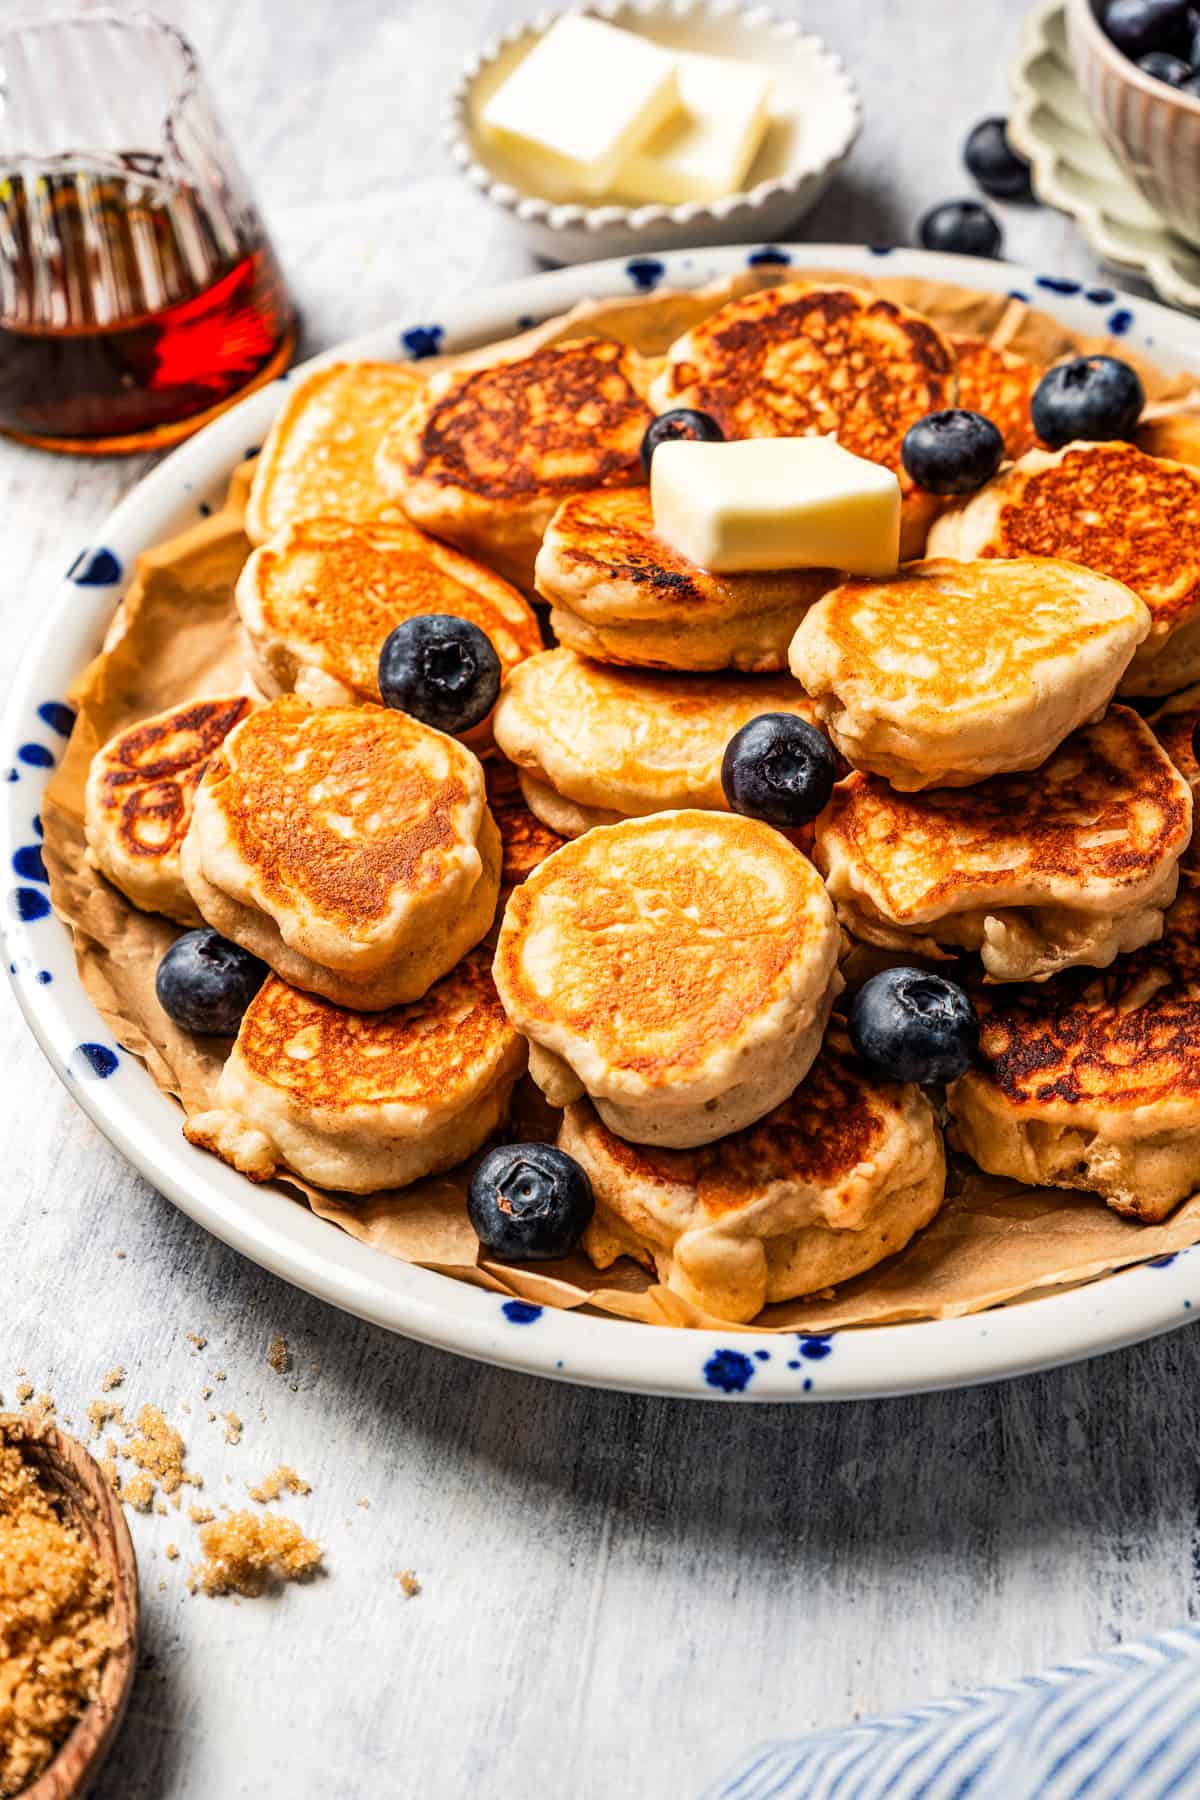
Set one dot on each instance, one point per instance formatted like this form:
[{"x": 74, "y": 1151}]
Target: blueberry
[
  {"x": 681, "y": 422},
  {"x": 963, "y": 227},
  {"x": 1171, "y": 69},
  {"x": 991, "y": 159},
  {"x": 952, "y": 452},
  {"x": 912, "y": 1026},
  {"x": 441, "y": 669},
  {"x": 1139, "y": 26},
  {"x": 778, "y": 768},
  {"x": 529, "y": 1203},
  {"x": 1091, "y": 397},
  {"x": 204, "y": 983}
]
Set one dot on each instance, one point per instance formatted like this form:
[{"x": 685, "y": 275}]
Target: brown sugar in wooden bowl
[{"x": 64, "y": 1468}]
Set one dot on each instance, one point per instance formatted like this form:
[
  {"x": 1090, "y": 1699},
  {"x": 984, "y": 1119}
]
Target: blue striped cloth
[{"x": 1124, "y": 1725}]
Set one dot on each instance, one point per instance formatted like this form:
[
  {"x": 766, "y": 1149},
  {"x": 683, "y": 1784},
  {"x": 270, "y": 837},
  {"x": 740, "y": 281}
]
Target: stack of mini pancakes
[{"x": 567, "y": 887}]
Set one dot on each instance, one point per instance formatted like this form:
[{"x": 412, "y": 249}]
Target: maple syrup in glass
[{"x": 139, "y": 294}]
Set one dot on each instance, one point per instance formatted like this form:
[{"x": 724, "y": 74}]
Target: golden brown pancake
[
  {"x": 1093, "y": 1080},
  {"x": 834, "y": 1179},
  {"x": 622, "y": 595},
  {"x": 350, "y": 847},
  {"x": 363, "y": 1101},
  {"x": 627, "y": 742},
  {"x": 487, "y": 453},
  {"x": 319, "y": 599},
  {"x": 319, "y": 457},
  {"x": 1071, "y": 863},
  {"x": 679, "y": 968},
  {"x": 1174, "y": 725},
  {"x": 803, "y": 361},
  {"x": 524, "y": 840},
  {"x": 138, "y": 804},
  {"x": 1111, "y": 508},
  {"x": 953, "y": 671},
  {"x": 999, "y": 384}
]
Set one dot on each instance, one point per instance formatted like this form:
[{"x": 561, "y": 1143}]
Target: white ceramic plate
[
  {"x": 280, "y": 1233},
  {"x": 1074, "y": 171}
]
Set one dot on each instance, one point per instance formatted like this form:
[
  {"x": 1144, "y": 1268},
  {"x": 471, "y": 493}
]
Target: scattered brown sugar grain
[
  {"x": 409, "y": 1583},
  {"x": 247, "y": 1553},
  {"x": 113, "y": 1379},
  {"x": 233, "y": 1428},
  {"x": 197, "y": 1339},
  {"x": 158, "y": 1450},
  {"x": 105, "y": 1412},
  {"x": 137, "y": 1491},
  {"x": 24, "y": 1392},
  {"x": 201, "y": 1515},
  {"x": 279, "y": 1481},
  {"x": 55, "y": 1631},
  {"x": 171, "y": 1552},
  {"x": 279, "y": 1356}
]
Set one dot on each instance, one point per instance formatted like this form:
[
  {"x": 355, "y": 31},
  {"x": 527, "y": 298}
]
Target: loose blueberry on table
[
  {"x": 441, "y": 669},
  {"x": 991, "y": 159},
  {"x": 204, "y": 983},
  {"x": 962, "y": 227},
  {"x": 529, "y": 1203},
  {"x": 780, "y": 769},
  {"x": 909, "y": 1025},
  {"x": 1095, "y": 398},
  {"x": 681, "y": 422},
  {"x": 952, "y": 452}
]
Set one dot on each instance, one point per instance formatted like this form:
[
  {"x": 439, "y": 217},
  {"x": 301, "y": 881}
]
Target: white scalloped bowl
[{"x": 815, "y": 120}]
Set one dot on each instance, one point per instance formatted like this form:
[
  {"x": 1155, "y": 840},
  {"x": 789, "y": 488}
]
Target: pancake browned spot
[
  {"x": 152, "y": 770},
  {"x": 565, "y": 417},
  {"x": 999, "y": 384},
  {"x": 1092, "y": 1080},
  {"x": 140, "y": 793},
  {"x": 1123, "y": 1038}
]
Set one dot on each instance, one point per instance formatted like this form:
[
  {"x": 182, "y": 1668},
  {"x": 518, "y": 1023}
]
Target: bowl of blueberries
[{"x": 1138, "y": 65}]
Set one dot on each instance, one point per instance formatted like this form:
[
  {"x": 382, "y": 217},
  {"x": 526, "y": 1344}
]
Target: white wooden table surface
[{"x": 618, "y": 1595}]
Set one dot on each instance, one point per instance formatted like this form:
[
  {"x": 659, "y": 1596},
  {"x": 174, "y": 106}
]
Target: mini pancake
[
  {"x": 954, "y": 671},
  {"x": 1115, "y": 510},
  {"x": 351, "y": 848},
  {"x": 999, "y": 384},
  {"x": 524, "y": 840},
  {"x": 679, "y": 969},
  {"x": 488, "y": 452},
  {"x": 1073, "y": 863},
  {"x": 621, "y": 595},
  {"x": 318, "y": 601},
  {"x": 364, "y": 1101},
  {"x": 840, "y": 1175},
  {"x": 805, "y": 361},
  {"x": 1174, "y": 725},
  {"x": 621, "y": 743},
  {"x": 319, "y": 457},
  {"x": 138, "y": 802},
  {"x": 1093, "y": 1080}
]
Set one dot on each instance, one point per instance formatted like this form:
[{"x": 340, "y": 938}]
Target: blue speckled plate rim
[{"x": 280, "y": 1234}]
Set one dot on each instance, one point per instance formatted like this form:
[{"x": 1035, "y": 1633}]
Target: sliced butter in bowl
[
  {"x": 705, "y": 150},
  {"x": 583, "y": 100}
]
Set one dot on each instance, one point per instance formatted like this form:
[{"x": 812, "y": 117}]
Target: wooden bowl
[{"x": 66, "y": 1467}]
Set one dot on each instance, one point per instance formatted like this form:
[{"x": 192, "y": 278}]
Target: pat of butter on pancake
[
  {"x": 776, "y": 503},
  {"x": 585, "y": 97}
]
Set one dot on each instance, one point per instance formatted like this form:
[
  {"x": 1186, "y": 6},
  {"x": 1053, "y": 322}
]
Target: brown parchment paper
[{"x": 175, "y": 637}]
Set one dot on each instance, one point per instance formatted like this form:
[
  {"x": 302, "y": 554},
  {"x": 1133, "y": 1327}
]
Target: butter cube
[
  {"x": 580, "y": 103},
  {"x": 705, "y": 151},
  {"x": 776, "y": 503}
]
